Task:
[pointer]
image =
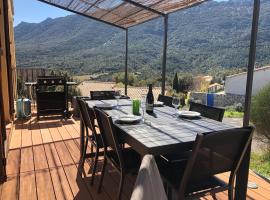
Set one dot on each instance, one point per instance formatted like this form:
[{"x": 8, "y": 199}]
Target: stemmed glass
[
  {"x": 176, "y": 103},
  {"x": 117, "y": 95},
  {"x": 143, "y": 100}
]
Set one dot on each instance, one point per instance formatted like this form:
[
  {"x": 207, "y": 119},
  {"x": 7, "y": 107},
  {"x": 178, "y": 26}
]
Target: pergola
[{"x": 125, "y": 14}]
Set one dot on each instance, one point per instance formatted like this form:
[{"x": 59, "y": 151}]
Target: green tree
[
  {"x": 175, "y": 83},
  {"x": 260, "y": 112}
]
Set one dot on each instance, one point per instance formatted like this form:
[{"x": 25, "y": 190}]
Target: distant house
[
  {"x": 236, "y": 84},
  {"x": 215, "y": 87}
]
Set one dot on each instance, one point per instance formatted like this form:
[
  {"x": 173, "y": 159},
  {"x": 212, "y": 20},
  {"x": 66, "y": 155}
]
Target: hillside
[{"x": 200, "y": 39}]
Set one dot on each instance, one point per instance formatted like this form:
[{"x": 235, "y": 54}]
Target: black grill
[{"x": 52, "y": 95}]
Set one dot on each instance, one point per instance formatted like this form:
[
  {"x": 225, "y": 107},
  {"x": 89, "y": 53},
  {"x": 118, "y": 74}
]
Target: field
[{"x": 133, "y": 92}]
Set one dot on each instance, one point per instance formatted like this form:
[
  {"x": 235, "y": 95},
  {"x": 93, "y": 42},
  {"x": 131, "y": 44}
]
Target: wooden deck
[{"x": 43, "y": 164}]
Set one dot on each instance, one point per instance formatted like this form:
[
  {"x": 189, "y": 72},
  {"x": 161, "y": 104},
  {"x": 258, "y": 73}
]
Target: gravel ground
[{"x": 257, "y": 145}]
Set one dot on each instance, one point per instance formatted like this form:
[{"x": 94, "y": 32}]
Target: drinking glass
[
  {"x": 143, "y": 100},
  {"x": 117, "y": 95},
  {"x": 176, "y": 103}
]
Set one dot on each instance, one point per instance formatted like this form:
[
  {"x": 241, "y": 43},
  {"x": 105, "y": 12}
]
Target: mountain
[{"x": 214, "y": 34}]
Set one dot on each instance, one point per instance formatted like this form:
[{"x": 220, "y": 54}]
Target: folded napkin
[{"x": 148, "y": 184}]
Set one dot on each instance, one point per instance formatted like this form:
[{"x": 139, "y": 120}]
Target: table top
[{"x": 162, "y": 131}]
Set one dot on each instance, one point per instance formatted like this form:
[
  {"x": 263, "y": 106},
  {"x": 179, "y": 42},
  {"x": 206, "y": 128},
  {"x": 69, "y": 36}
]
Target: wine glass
[
  {"x": 143, "y": 100},
  {"x": 176, "y": 103},
  {"x": 117, "y": 95}
]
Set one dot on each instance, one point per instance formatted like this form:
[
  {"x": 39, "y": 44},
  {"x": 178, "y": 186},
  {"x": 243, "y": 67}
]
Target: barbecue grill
[{"x": 52, "y": 95}]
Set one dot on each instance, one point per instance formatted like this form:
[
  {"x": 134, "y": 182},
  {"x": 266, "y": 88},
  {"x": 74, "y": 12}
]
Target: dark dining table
[{"x": 161, "y": 132}]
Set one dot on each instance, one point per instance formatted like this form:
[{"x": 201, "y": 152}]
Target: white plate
[
  {"x": 189, "y": 114},
  {"x": 129, "y": 118},
  {"x": 158, "y": 103},
  {"x": 105, "y": 106}
]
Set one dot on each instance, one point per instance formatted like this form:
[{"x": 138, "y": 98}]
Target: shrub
[{"x": 260, "y": 112}]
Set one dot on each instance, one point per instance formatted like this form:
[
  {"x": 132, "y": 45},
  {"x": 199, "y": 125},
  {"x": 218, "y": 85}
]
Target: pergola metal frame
[{"x": 242, "y": 177}]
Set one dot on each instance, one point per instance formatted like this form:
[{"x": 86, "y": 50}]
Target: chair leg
[
  {"x": 230, "y": 192},
  {"x": 84, "y": 152},
  {"x": 122, "y": 179},
  {"x": 102, "y": 173},
  {"x": 95, "y": 166}
]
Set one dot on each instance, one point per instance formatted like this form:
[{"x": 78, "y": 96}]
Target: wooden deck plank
[
  {"x": 28, "y": 186},
  {"x": 106, "y": 192},
  {"x": 52, "y": 156},
  {"x": 60, "y": 184},
  {"x": 64, "y": 133},
  {"x": 45, "y": 133},
  {"x": 63, "y": 154},
  {"x": 10, "y": 190},
  {"x": 36, "y": 134},
  {"x": 76, "y": 183},
  {"x": 45, "y": 189},
  {"x": 13, "y": 161},
  {"x": 73, "y": 150},
  {"x": 26, "y": 135},
  {"x": 27, "y": 162},
  {"x": 40, "y": 159},
  {"x": 56, "y": 136},
  {"x": 16, "y": 137},
  {"x": 71, "y": 130}
]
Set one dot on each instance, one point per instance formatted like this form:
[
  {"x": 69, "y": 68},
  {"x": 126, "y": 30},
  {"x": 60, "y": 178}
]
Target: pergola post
[
  {"x": 126, "y": 63},
  {"x": 242, "y": 175},
  {"x": 164, "y": 59}
]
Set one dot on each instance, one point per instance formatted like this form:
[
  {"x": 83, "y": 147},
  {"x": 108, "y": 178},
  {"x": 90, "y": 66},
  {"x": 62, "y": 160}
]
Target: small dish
[
  {"x": 189, "y": 114},
  {"x": 129, "y": 119},
  {"x": 158, "y": 104}
]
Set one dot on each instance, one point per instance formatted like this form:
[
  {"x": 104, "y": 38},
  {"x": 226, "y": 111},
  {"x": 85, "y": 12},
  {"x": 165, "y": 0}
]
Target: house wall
[
  {"x": 236, "y": 84},
  {"x": 7, "y": 72},
  {"x": 220, "y": 100}
]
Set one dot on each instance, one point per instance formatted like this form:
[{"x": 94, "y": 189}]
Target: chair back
[
  {"x": 208, "y": 111},
  {"x": 215, "y": 153},
  {"x": 109, "y": 136},
  {"x": 102, "y": 95},
  {"x": 88, "y": 118},
  {"x": 165, "y": 99}
]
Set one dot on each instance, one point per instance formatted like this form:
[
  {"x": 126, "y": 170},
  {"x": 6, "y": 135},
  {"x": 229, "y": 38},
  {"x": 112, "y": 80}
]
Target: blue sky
[{"x": 34, "y": 11}]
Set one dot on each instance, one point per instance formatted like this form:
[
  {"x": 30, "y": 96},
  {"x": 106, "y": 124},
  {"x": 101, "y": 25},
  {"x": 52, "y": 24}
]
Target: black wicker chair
[
  {"x": 102, "y": 95},
  {"x": 208, "y": 111},
  {"x": 88, "y": 118},
  {"x": 125, "y": 160},
  {"x": 212, "y": 154},
  {"x": 166, "y": 100}
]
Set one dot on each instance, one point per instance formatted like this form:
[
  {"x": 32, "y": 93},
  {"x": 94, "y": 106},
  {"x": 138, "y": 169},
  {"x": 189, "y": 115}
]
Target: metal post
[
  {"x": 242, "y": 174},
  {"x": 126, "y": 63},
  {"x": 251, "y": 61},
  {"x": 164, "y": 60}
]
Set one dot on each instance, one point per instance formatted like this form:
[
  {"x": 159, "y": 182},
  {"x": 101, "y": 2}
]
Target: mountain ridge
[{"x": 214, "y": 34}]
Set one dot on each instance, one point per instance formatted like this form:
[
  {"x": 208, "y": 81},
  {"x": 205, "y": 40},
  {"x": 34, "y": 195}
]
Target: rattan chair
[
  {"x": 208, "y": 111},
  {"x": 125, "y": 160},
  {"x": 166, "y": 100},
  {"x": 88, "y": 118},
  {"x": 212, "y": 154}
]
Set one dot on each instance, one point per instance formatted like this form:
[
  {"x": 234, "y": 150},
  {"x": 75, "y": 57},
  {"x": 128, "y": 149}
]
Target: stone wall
[{"x": 220, "y": 100}]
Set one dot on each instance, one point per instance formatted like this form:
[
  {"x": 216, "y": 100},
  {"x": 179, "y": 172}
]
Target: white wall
[{"x": 236, "y": 84}]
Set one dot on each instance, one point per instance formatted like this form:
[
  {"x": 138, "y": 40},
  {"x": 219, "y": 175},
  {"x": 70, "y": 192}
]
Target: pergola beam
[
  {"x": 144, "y": 7},
  {"x": 164, "y": 58},
  {"x": 82, "y": 14},
  {"x": 126, "y": 63}
]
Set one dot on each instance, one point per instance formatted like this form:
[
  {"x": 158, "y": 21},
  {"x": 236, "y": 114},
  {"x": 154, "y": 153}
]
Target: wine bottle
[{"x": 149, "y": 100}]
